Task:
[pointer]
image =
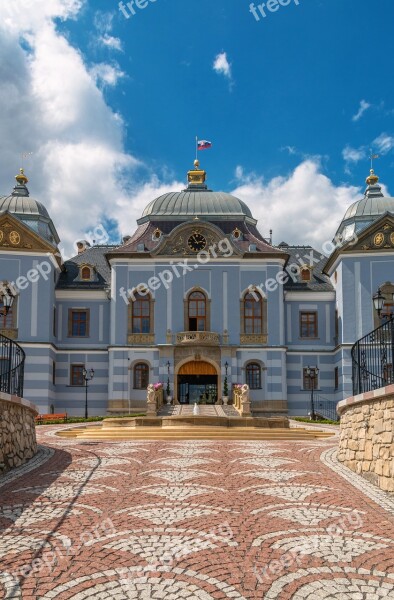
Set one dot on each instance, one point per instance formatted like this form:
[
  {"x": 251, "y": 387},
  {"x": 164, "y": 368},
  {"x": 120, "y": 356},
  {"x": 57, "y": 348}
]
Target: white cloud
[
  {"x": 106, "y": 73},
  {"x": 304, "y": 207},
  {"x": 354, "y": 155},
  {"x": 111, "y": 42},
  {"x": 50, "y": 104},
  {"x": 222, "y": 66},
  {"x": 364, "y": 106},
  {"x": 384, "y": 143}
]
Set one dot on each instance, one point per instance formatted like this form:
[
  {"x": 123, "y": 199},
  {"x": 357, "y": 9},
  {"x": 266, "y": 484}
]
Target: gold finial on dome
[
  {"x": 372, "y": 179},
  {"x": 21, "y": 177},
  {"x": 196, "y": 177}
]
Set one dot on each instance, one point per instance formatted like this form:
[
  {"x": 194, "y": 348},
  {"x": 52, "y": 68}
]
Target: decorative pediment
[
  {"x": 379, "y": 236},
  {"x": 189, "y": 239},
  {"x": 16, "y": 236}
]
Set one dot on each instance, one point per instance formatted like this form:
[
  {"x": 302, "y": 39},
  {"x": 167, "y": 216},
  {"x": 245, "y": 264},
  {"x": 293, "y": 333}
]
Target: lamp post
[
  {"x": 226, "y": 366},
  {"x": 378, "y": 301},
  {"x": 168, "y": 390},
  {"x": 312, "y": 373},
  {"x": 87, "y": 377}
]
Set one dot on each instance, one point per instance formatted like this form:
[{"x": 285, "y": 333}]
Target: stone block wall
[
  {"x": 17, "y": 431},
  {"x": 367, "y": 436}
]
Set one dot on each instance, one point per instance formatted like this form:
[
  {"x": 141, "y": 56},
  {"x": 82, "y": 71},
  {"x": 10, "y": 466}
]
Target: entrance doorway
[{"x": 197, "y": 382}]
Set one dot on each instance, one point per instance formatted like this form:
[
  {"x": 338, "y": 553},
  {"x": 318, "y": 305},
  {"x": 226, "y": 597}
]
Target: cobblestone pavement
[{"x": 196, "y": 520}]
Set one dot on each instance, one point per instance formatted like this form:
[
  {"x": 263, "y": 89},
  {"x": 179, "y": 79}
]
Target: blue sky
[{"x": 295, "y": 103}]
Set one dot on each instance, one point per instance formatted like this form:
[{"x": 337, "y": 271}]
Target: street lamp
[
  {"x": 226, "y": 366},
  {"x": 378, "y": 301},
  {"x": 87, "y": 378},
  {"x": 7, "y": 297},
  {"x": 312, "y": 374}
]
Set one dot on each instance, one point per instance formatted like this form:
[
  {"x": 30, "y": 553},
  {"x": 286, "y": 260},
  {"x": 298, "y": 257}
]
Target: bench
[{"x": 48, "y": 418}]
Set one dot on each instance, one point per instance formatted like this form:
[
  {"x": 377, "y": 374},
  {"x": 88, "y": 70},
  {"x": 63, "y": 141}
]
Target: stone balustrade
[
  {"x": 17, "y": 431},
  {"x": 367, "y": 436},
  {"x": 207, "y": 338}
]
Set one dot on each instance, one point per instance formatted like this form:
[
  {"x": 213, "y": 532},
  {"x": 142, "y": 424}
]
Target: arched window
[
  {"x": 141, "y": 376},
  {"x": 86, "y": 273},
  {"x": 197, "y": 312},
  {"x": 253, "y": 314},
  {"x": 141, "y": 314},
  {"x": 305, "y": 274},
  {"x": 253, "y": 376}
]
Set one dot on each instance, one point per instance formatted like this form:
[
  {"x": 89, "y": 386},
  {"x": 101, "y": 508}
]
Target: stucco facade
[{"x": 196, "y": 294}]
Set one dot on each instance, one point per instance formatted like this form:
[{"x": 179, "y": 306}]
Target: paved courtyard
[{"x": 195, "y": 520}]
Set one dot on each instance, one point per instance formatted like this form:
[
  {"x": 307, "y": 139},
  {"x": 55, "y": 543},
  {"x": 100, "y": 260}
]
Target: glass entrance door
[{"x": 197, "y": 388}]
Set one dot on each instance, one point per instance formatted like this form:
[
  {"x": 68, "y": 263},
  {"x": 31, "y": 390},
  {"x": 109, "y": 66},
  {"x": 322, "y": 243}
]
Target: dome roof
[
  {"x": 29, "y": 211},
  {"x": 23, "y": 205},
  {"x": 368, "y": 209},
  {"x": 197, "y": 203}
]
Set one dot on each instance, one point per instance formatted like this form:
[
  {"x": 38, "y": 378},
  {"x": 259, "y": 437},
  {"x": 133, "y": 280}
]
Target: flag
[{"x": 204, "y": 145}]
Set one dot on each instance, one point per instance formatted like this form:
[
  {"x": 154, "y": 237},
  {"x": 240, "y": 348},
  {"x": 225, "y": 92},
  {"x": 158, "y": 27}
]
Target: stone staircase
[{"x": 205, "y": 410}]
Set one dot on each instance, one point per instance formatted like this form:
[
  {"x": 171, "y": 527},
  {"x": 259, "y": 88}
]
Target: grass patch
[{"x": 319, "y": 421}]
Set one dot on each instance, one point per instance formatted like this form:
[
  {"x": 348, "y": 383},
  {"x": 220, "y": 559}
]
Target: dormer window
[
  {"x": 306, "y": 274},
  {"x": 237, "y": 234},
  {"x": 86, "y": 273},
  {"x": 156, "y": 235}
]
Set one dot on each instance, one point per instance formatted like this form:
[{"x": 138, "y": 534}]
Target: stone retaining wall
[
  {"x": 367, "y": 436},
  {"x": 17, "y": 431}
]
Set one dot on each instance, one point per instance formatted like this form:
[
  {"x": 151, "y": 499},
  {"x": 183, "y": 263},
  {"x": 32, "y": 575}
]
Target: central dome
[
  {"x": 197, "y": 201},
  {"x": 190, "y": 203}
]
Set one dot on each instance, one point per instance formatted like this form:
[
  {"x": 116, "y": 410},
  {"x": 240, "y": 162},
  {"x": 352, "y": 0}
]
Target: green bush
[
  {"x": 83, "y": 420},
  {"x": 319, "y": 421}
]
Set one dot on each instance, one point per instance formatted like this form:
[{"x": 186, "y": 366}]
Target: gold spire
[
  {"x": 372, "y": 179},
  {"x": 21, "y": 177}
]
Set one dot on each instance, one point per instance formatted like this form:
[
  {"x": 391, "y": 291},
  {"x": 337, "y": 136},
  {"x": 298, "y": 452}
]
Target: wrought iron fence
[
  {"x": 326, "y": 408},
  {"x": 373, "y": 359},
  {"x": 12, "y": 367}
]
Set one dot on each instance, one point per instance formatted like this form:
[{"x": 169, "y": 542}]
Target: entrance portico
[{"x": 197, "y": 381}]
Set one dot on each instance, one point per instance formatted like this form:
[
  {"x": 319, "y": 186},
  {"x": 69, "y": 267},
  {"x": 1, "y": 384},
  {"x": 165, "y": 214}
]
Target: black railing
[
  {"x": 12, "y": 367},
  {"x": 326, "y": 408},
  {"x": 373, "y": 359}
]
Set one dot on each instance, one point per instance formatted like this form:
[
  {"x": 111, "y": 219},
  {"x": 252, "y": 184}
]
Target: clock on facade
[{"x": 196, "y": 242}]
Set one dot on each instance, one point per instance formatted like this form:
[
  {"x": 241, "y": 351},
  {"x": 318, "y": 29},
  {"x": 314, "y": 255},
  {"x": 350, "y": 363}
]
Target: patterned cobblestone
[{"x": 200, "y": 520}]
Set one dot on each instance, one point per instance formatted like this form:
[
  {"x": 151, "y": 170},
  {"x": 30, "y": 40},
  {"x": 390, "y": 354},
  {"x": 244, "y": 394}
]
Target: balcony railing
[
  {"x": 206, "y": 338},
  {"x": 12, "y": 365},
  {"x": 373, "y": 359}
]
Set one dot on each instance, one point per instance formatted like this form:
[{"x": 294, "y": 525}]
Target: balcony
[{"x": 202, "y": 338}]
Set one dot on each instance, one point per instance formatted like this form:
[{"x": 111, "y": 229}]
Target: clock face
[
  {"x": 379, "y": 239},
  {"x": 196, "y": 242}
]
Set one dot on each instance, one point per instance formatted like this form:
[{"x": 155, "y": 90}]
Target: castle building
[{"x": 196, "y": 297}]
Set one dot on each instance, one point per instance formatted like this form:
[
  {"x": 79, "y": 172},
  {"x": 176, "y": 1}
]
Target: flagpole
[{"x": 196, "y": 146}]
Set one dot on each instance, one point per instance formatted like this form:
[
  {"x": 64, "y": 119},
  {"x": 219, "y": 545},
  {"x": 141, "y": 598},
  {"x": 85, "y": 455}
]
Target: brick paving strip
[{"x": 199, "y": 520}]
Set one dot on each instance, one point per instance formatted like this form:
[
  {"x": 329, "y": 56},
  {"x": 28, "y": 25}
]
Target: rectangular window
[
  {"x": 308, "y": 381},
  {"x": 53, "y": 372},
  {"x": 54, "y": 321},
  {"x": 76, "y": 375},
  {"x": 336, "y": 378},
  {"x": 78, "y": 322},
  {"x": 308, "y": 325}
]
